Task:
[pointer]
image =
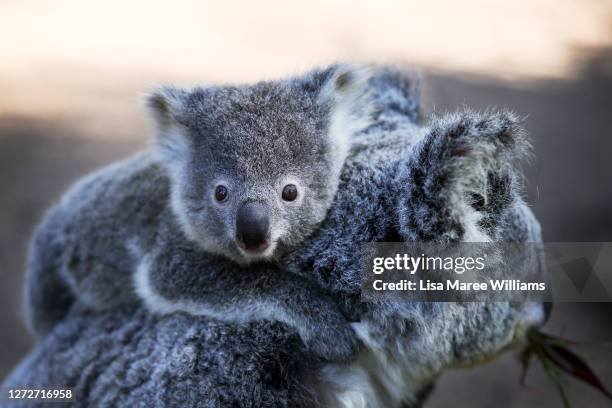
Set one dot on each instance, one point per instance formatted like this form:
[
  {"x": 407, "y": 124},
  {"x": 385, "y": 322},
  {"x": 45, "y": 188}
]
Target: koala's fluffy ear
[
  {"x": 347, "y": 83},
  {"x": 165, "y": 105},
  {"x": 345, "y": 92},
  {"x": 462, "y": 176}
]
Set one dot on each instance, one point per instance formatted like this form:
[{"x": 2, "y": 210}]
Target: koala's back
[{"x": 83, "y": 242}]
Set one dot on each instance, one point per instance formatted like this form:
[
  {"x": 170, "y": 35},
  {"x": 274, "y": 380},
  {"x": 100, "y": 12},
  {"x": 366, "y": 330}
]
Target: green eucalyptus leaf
[
  {"x": 557, "y": 378},
  {"x": 557, "y": 359}
]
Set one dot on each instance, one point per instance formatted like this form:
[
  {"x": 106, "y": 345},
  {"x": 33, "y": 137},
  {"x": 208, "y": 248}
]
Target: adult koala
[
  {"x": 453, "y": 180},
  {"x": 450, "y": 181}
]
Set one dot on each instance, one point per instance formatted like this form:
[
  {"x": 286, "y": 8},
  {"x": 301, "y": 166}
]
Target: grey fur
[
  {"x": 408, "y": 183},
  {"x": 129, "y": 358},
  {"x": 254, "y": 139},
  {"x": 452, "y": 180},
  {"x": 159, "y": 207}
]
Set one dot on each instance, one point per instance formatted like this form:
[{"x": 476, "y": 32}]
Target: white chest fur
[{"x": 380, "y": 378}]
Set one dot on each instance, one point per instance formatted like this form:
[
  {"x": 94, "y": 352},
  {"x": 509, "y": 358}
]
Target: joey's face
[
  {"x": 252, "y": 201},
  {"x": 254, "y": 169}
]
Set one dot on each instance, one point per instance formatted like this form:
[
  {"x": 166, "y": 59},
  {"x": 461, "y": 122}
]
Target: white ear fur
[
  {"x": 347, "y": 83},
  {"x": 347, "y": 89},
  {"x": 163, "y": 105}
]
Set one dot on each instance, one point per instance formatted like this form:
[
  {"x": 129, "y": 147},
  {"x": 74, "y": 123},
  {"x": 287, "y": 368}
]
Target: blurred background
[{"x": 71, "y": 73}]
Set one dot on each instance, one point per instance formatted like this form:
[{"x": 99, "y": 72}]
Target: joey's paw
[
  {"x": 461, "y": 176},
  {"x": 333, "y": 343}
]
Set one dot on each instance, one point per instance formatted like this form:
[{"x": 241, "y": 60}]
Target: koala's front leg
[
  {"x": 317, "y": 317},
  {"x": 460, "y": 177},
  {"x": 181, "y": 278}
]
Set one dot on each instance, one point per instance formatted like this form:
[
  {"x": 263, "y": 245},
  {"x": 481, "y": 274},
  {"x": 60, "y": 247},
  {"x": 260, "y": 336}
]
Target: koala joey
[{"x": 239, "y": 176}]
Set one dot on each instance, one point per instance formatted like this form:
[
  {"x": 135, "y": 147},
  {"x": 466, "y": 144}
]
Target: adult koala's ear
[
  {"x": 165, "y": 105},
  {"x": 461, "y": 177}
]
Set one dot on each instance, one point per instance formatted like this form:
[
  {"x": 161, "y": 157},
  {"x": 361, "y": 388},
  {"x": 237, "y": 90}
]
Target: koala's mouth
[{"x": 263, "y": 250}]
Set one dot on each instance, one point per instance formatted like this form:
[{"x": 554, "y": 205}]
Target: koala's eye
[
  {"x": 290, "y": 192},
  {"x": 220, "y": 193}
]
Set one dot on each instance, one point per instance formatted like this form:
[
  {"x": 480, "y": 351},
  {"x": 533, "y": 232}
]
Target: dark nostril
[
  {"x": 547, "y": 310},
  {"x": 252, "y": 225}
]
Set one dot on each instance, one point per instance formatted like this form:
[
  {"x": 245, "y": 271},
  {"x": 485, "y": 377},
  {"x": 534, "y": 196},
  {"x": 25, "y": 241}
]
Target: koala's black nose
[{"x": 252, "y": 225}]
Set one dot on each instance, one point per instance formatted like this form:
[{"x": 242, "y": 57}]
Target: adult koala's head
[
  {"x": 254, "y": 168},
  {"x": 464, "y": 185}
]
